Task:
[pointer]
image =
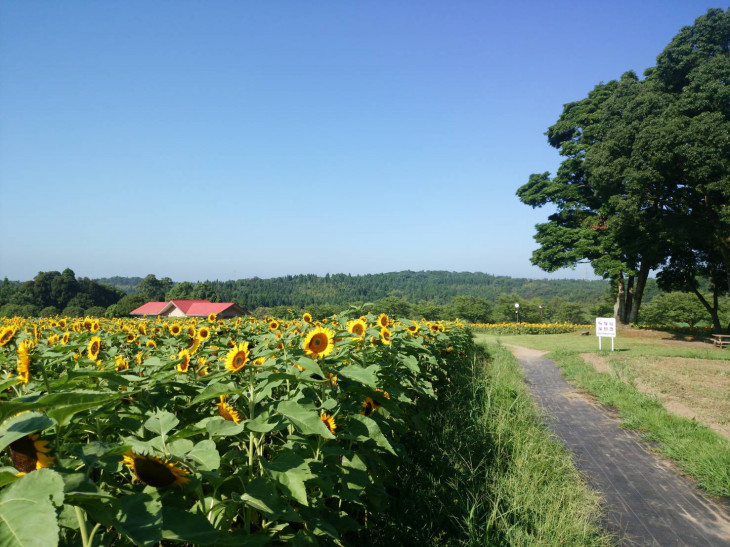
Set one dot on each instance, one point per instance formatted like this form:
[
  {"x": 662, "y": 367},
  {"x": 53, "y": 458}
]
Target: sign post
[{"x": 605, "y": 326}]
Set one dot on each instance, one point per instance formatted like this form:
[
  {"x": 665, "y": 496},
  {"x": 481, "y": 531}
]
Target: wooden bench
[{"x": 721, "y": 340}]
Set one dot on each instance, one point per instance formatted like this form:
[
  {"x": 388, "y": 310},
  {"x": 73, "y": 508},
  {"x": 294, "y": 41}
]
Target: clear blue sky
[{"x": 230, "y": 139}]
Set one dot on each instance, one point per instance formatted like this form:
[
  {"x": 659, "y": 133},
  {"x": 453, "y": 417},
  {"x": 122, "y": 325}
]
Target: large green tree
[{"x": 646, "y": 168}]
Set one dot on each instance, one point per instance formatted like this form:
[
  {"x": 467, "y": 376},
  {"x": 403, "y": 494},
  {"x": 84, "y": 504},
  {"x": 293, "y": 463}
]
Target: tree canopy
[{"x": 645, "y": 183}]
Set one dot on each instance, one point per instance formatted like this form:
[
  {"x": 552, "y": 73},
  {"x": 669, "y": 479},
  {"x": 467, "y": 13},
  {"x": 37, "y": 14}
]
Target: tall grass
[{"x": 484, "y": 471}]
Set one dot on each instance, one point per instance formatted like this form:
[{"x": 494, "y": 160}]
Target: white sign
[{"x": 605, "y": 326}]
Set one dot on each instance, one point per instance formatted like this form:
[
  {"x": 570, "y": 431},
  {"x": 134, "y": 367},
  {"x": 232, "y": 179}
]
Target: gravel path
[{"x": 646, "y": 501}]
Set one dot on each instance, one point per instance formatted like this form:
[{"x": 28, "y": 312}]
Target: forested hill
[{"x": 438, "y": 287}]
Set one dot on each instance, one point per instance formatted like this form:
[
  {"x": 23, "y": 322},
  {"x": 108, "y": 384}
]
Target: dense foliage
[
  {"x": 645, "y": 182},
  {"x": 208, "y": 432}
]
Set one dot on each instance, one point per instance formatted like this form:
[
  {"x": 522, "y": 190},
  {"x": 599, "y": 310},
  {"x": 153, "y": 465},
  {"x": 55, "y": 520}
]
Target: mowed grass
[
  {"x": 694, "y": 370},
  {"x": 485, "y": 471}
]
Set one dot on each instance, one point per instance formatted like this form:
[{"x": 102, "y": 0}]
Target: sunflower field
[
  {"x": 528, "y": 328},
  {"x": 207, "y": 431}
]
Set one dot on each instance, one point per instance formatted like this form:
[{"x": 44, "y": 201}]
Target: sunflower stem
[
  {"x": 82, "y": 526},
  {"x": 93, "y": 533},
  {"x": 45, "y": 377}
]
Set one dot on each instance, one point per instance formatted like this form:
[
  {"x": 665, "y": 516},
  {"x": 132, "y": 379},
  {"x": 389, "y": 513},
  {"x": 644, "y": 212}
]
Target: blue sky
[{"x": 231, "y": 139}]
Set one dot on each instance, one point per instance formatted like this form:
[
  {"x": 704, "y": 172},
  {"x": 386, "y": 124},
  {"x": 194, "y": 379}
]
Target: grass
[
  {"x": 483, "y": 470},
  {"x": 698, "y": 451}
]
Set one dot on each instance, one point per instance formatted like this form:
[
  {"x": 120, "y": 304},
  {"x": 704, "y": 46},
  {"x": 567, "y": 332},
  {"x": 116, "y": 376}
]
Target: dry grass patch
[{"x": 698, "y": 389}]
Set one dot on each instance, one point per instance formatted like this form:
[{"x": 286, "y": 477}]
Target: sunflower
[
  {"x": 357, "y": 327},
  {"x": 175, "y": 329},
  {"x": 131, "y": 337},
  {"x": 183, "y": 365},
  {"x": 24, "y": 350},
  {"x": 94, "y": 347},
  {"x": 414, "y": 328},
  {"x": 62, "y": 323},
  {"x": 64, "y": 337},
  {"x": 237, "y": 357},
  {"x": 385, "y": 336},
  {"x": 6, "y": 335},
  {"x": 142, "y": 328},
  {"x": 369, "y": 406},
  {"x": 329, "y": 421},
  {"x": 151, "y": 343},
  {"x": 120, "y": 363},
  {"x": 212, "y": 318},
  {"x": 29, "y": 453},
  {"x": 153, "y": 471},
  {"x": 273, "y": 324},
  {"x": 319, "y": 342},
  {"x": 307, "y": 317},
  {"x": 203, "y": 334},
  {"x": 383, "y": 320},
  {"x": 202, "y": 367},
  {"x": 227, "y": 412}
]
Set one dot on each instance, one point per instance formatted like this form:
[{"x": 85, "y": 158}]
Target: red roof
[
  {"x": 199, "y": 308},
  {"x": 150, "y": 308}
]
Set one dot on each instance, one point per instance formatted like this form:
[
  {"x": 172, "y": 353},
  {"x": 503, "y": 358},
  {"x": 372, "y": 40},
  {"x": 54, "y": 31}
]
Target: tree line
[
  {"x": 645, "y": 183},
  {"x": 472, "y": 296}
]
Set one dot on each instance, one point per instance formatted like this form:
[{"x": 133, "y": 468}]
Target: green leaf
[
  {"x": 218, "y": 427},
  {"x": 188, "y": 527},
  {"x": 365, "y": 376},
  {"x": 263, "y": 423},
  {"x": 140, "y": 518},
  {"x": 161, "y": 422},
  {"x": 59, "y": 406},
  {"x": 305, "y": 420},
  {"x": 214, "y": 391},
  {"x": 366, "y": 428},
  {"x": 310, "y": 366},
  {"x": 180, "y": 447},
  {"x": 8, "y": 475},
  {"x": 19, "y": 426},
  {"x": 27, "y": 511},
  {"x": 290, "y": 470},
  {"x": 411, "y": 363},
  {"x": 206, "y": 454}
]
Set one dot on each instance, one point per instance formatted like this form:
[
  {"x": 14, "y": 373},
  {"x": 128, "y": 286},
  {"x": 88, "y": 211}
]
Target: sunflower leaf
[
  {"x": 21, "y": 425},
  {"x": 218, "y": 427},
  {"x": 189, "y": 527},
  {"x": 8, "y": 475},
  {"x": 161, "y": 423},
  {"x": 306, "y": 421},
  {"x": 206, "y": 454},
  {"x": 140, "y": 518},
  {"x": 366, "y": 428},
  {"x": 290, "y": 470},
  {"x": 214, "y": 391},
  {"x": 365, "y": 376},
  {"x": 27, "y": 510}
]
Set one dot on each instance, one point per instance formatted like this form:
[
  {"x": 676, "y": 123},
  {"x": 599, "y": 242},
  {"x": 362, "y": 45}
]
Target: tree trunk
[
  {"x": 712, "y": 310},
  {"x": 639, "y": 293},
  {"x": 619, "y": 309},
  {"x": 629, "y": 300}
]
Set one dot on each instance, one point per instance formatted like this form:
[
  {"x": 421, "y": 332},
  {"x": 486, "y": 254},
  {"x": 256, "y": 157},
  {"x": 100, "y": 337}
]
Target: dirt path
[{"x": 647, "y": 503}]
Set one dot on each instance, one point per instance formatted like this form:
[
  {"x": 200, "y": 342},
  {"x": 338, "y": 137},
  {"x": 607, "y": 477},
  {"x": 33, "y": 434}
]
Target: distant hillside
[
  {"x": 438, "y": 287},
  {"x": 125, "y": 284}
]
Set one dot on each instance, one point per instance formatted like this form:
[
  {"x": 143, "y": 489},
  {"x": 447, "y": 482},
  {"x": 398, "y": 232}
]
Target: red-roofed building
[{"x": 190, "y": 308}]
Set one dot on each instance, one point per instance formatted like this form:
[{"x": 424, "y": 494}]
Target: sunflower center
[
  {"x": 318, "y": 340},
  {"x": 154, "y": 473},
  {"x": 23, "y": 454}
]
